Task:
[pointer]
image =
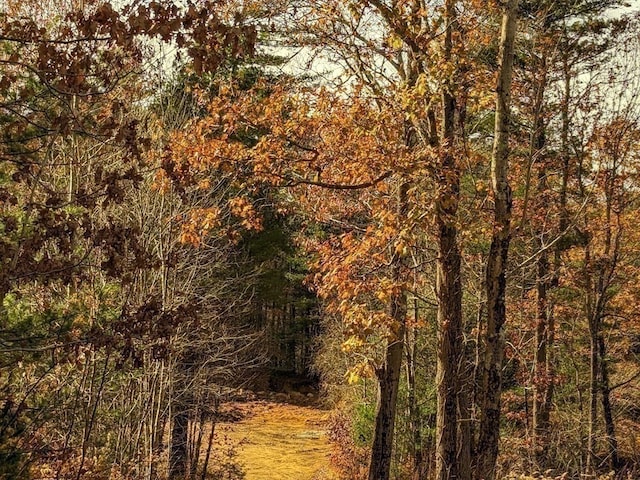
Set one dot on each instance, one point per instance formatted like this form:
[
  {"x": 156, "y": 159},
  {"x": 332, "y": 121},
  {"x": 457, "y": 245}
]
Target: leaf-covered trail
[{"x": 279, "y": 441}]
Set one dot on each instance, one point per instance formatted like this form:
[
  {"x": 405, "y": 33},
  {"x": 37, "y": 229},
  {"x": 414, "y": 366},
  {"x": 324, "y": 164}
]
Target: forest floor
[{"x": 271, "y": 440}]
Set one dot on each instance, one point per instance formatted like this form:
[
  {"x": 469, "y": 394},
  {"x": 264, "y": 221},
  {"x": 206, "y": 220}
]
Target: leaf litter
[{"x": 279, "y": 441}]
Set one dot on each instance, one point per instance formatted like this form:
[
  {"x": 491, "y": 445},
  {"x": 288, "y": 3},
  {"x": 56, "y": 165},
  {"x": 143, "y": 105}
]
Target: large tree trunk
[
  {"x": 448, "y": 285},
  {"x": 487, "y": 448},
  {"x": 449, "y": 355},
  {"x": 389, "y": 375},
  {"x": 388, "y": 379}
]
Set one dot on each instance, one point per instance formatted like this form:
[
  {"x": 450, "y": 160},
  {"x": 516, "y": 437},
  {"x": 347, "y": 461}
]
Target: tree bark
[
  {"x": 388, "y": 375},
  {"x": 487, "y": 448},
  {"x": 449, "y": 340},
  {"x": 597, "y": 299},
  {"x": 594, "y": 365},
  {"x": 388, "y": 379},
  {"x": 605, "y": 390},
  {"x": 213, "y": 420},
  {"x": 415, "y": 424},
  {"x": 540, "y": 407},
  {"x": 448, "y": 284},
  {"x": 541, "y": 380},
  {"x": 178, "y": 455}
]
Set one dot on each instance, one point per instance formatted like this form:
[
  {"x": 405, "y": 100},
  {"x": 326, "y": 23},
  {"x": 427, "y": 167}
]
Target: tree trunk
[
  {"x": 453, "y": 433},
  {"x": 449, "y": 352},
  {"x": 388, "y": 379},
  {"x": 178, "y": 455},
  {"x": 487, "y": 449},
  {"x": 541, "y": 383},
  {"x": 415, "y": 424},
  {"x": 605, "y": 390},
  {"x": 594, "y": 364},
  {"x": 593, "y": 406},
  {"x": 465, "y": 438},
  {"x": 598, "y": 297},
  {"x": 213, "y": 419},
  {"x": 389, "y": 375},
  {"x": 448, "y": 285}
]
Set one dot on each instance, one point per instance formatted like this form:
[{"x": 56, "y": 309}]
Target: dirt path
[{"x": 279, "y": 441}]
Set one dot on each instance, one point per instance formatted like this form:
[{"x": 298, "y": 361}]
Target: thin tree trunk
[
  {"x": 91, "y": 419},
  {"x": 545, "y": 329},
  {"x": 207, "y": 457},
  {"x": 158, "y": 424},
  {"x": 540, "y": 408},
  {"x": 594, "y": 365},
  {"x": 178, "y": 455},
  {"x": 465, "y": 447},
  {"x": 605, "y": 275},
  {"x": 489, "y": 436},
  {"x": 593, "y": 406},
  {"x": 411, "y": 345},
  {"x": 179, "y": 417},
  {"x": 605, "y": 390},
  {"x": 199, "y": 420},
  {"x": 541, "y": 381},
  {"x": 597, "y": 300}
]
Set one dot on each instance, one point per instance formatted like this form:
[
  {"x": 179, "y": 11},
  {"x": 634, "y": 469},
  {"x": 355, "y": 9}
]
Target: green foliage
[
  {"x": 364, "y": 419},
  {"x": 12, "y": 462}
]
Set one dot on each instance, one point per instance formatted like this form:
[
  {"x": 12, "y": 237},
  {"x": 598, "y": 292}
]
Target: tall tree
[
  {"x": 449, "y": 282},
  {"x": 547, "y": 215},
  {"x": 496, "y": 271}
]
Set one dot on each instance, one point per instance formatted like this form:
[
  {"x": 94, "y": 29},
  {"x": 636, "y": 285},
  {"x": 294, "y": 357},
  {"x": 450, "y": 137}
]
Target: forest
[{"x": 411, "y": 218}]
